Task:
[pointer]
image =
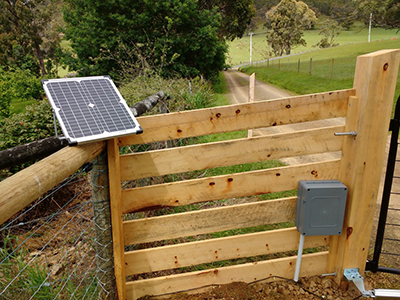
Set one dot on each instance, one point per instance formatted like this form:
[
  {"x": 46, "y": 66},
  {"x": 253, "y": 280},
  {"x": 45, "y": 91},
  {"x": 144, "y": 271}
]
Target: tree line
[{"x": 182, "y": 38}]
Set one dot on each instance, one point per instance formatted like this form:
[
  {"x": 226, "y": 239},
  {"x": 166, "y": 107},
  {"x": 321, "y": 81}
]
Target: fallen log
[{"x": 45, "y": 147}]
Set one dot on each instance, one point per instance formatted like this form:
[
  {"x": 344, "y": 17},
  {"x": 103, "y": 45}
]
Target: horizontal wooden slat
[
  {"x": 226, "y": 186},
  {"x": 218, "y": 154},
  {"x": 195, "y": 253},
  {"x": 209, "y": 220},
  {"x": 312, "y": 264},
  {"x": 241, "y": 116}
]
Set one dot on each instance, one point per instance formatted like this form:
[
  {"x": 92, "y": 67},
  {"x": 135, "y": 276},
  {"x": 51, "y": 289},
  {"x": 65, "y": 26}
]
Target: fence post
[
  {"x": 103, "y": 234},
  {"x": 362, "y": 157},
  {"x": 310, "y": 71}
]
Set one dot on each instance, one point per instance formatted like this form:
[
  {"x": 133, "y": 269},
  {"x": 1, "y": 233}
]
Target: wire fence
[{"x": 60, "y": 247}]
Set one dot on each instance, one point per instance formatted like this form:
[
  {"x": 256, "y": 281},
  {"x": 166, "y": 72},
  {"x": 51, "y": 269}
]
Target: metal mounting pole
[{"x": 299, "y": 255}]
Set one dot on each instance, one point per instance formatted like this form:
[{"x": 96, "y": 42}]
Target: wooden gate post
[
  {"x": 103, "y": 233},
  {"x": 363, "y": 155}
]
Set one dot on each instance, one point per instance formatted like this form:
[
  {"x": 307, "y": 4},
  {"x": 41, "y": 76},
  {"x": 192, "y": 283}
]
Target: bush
[
  {"x": 17, "y": 86},
  {"x": 184, "y": 94},
  {"x": 35, "y": 124}
]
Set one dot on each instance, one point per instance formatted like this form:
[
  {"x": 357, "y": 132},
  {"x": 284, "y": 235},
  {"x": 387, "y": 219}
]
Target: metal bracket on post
[{"x": 358, "y": 280}]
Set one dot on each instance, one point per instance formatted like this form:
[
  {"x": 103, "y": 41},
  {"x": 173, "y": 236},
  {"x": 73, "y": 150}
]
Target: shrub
[
  {"x": 184, "y": 94},
  {"x": 17, "y": 86},
  {"x": 34, "y": 124}
]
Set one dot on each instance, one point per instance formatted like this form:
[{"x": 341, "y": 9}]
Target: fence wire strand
[{"x": 60, "y": 247}]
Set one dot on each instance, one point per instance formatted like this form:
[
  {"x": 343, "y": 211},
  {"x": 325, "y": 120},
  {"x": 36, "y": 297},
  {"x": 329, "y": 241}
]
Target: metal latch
[{"x": 354, "y": 275}]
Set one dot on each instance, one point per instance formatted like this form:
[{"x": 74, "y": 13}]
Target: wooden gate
[{"x": 367, "y": 107}]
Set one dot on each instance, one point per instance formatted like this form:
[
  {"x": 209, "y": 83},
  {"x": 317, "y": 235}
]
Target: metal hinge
[{"x": 358, "y": 280}]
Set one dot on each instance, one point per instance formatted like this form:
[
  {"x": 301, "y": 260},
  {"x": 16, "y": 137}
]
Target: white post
[
  {"x": 251, "y": 45},
  {"x": 369, "y": 29}
]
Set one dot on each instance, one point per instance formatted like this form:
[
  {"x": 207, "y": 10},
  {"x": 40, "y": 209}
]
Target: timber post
[
  {"x": 103, "y": 231},
  {"x": 363, "y": 155}
]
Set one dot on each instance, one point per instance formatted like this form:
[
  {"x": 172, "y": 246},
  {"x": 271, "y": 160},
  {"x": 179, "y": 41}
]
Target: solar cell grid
[{"x": 90, "y": 108}]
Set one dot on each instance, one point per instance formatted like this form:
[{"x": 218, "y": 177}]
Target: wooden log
[
  {"x": 116, "y": 216},
  {"x": 209, "y": 220},
  {"x": 226, "y": 186},
  {"x": 207, "y": 251},
  {"x": 218, "y": 154},
  {"x": 241, "y": 117},
  {"x": 21, "y": 189},
  {"x": 147, "y": 104},
  {"x": 31, "y": 151},
  {"x": 363, "y": 156},
  {"x": 312, "y": 264},
  {"x": 102, "y": 230}
]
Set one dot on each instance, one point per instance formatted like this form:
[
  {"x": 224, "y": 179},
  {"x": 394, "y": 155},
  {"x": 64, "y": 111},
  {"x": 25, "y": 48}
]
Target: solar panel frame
[{"x": 90, "y": 109}]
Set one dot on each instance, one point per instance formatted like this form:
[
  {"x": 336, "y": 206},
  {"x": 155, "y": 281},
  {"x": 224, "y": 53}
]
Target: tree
[
  {"x": 376, "y": 7},
  {"x": 344, "y": 12},
  {"x": 25, "y": 39},
  {"x": 392, "y": 14},
  {"x": 286, "y": 23},
  {"x": 235, "y": 16},
  {"x": 330, "y": 30},
  {"x": 178, "y": 37}
]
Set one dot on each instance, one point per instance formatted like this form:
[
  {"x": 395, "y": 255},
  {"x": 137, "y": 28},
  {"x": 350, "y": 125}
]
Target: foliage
[
  {"x": 17, "y": 86},
  {"x": 287, "y": 22},
  {"x": 344, "y": 12},
  {"x": 376, "y": 7},
  {"x": 392, "y": 14},
  {"x": 28, "y": 37},
  {"x": 184, "y": 94},
  {"x": 36, "y": 123},
  {"x": 236, "y": 15},
  {"x": 175, "y": 36},
  {"x": 330, "y": 30}
]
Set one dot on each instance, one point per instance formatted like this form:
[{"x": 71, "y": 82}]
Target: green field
[
  {"x": 239, "y": 49},
  {"x": 332, "y": 68}
]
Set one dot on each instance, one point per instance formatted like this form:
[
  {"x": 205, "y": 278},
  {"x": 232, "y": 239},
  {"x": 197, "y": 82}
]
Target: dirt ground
[{"x": 307, "y": 288}]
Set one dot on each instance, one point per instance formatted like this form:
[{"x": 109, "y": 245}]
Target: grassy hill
[
  {"x": 332, "y": 68},
  {"x": 239, "y": 49}
]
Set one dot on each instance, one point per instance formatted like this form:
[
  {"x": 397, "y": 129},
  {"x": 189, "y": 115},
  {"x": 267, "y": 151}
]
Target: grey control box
[{"x": 320, "y": 207}]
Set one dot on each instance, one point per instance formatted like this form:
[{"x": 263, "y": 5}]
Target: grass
[
  {"x": 32, "y": 280},
  {"x": 289, "y": 77},
  {"x": 239, "y": 49}
]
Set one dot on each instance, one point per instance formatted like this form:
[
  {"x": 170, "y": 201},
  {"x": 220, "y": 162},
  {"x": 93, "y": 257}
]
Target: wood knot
[
  {"x": 349, "y": 231},
  {"x": 385, "y": 66},
  {"x": 218, "y": 115},
  {"x": 211, "y": 183},
  {"x": 237, "y": 111},
  {"x": 288, "y": 106}
]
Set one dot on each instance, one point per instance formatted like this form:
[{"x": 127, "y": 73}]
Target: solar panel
[{"x": 90, "y": 109}]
